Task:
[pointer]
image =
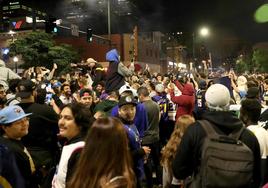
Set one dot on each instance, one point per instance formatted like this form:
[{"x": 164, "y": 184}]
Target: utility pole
[
  {"x": 34, "y": 19},
  {"x": 109, "y": 18},
  {"x": 135, "y": 53},
  {"x": 193, "y": 47}
]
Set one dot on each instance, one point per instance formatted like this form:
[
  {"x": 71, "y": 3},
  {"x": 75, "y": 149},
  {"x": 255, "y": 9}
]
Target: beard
[
  {"x": 127, "y": 119},
  {"x": 3, "y": 101}
]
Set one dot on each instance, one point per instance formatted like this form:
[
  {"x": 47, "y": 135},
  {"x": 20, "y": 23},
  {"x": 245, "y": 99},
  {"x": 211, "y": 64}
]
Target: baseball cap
[
  {"x": 85, "y": 92},
  {"x": 57, "y": 84},
  {"x": 202, "y": 84},
  {"x": 160, "y": 88},
  {"x": 11, "y": 114},
  {"x": 127, "y": 100},
  {"x": 25, "y": 88},
  {"x": 253, "y": 92},
  {"x": 91, "y": 60},
  {"x": 125, "y": 88},
  {"x": 218, "y": 97}
]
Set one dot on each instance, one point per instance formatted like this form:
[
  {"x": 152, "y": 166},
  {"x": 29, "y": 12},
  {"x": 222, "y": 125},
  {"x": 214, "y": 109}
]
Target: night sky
[
  {"x": 232, "y": 16},
  {"x": 235, "y": 17}
]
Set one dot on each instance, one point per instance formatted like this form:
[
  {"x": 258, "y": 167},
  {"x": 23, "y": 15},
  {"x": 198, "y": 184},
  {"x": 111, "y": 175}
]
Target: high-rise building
[
  {"x": 17, "y": 15},
  {"x": 95, "y": 14}
]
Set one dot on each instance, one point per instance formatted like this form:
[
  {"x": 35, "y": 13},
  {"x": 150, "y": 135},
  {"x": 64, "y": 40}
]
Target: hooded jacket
[
  {"x": 188, "y": 157},
  {"x": 116, "y": 72},
  {"x": 6, "y": 74},
  {"x": 186, "y": 101}
]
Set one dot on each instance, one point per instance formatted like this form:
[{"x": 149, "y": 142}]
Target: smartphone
[
  {"x": 48, "y": 98},
  {"x": 48, "y": 87}
]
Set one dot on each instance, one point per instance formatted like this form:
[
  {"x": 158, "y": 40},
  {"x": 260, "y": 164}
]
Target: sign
[
  {"x": 17, "y": 24},
  {"x": 75, "y": 30}
]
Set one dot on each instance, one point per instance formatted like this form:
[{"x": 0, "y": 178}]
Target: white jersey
[
  {"x": 262, "y": 137},
  {"x": 59, "y": 179}
]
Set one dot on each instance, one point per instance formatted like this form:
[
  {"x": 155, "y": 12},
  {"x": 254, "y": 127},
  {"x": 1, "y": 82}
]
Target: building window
[
  {"x": 151, "y": 53},
  {"x": 147, "y": 53}
]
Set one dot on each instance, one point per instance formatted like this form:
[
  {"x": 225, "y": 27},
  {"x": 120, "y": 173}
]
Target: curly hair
[{"x": 169, "y": 151}]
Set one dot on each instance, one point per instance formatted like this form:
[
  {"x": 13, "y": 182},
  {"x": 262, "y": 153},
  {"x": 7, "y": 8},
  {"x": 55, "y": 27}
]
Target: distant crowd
[{"x": 124, "y": 127}]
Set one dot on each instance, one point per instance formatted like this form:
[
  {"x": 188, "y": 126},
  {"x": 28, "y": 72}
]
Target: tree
[
  {"x": 260, "y": 60},
  {"x": 39, "y": 49},
  {"x": 243, "y": 64}
]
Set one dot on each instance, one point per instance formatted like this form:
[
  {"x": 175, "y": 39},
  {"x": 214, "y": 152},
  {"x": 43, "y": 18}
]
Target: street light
[
  {"x": 16, "y": 59},
  {"x": 203, "y": 32},
  {"x": 12, "y": 35}
]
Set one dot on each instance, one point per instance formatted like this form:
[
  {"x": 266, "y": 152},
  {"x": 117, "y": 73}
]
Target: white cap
[
  {"x": 159, "y": 88},
  {"x": 218, "y": 97},
  {"x": 126, "y": 87},
  {"x": 91, "y": 60}
]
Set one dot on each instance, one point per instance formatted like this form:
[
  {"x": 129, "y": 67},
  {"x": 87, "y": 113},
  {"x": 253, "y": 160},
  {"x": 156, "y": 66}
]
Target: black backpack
[{"x": 226, "y": 162}]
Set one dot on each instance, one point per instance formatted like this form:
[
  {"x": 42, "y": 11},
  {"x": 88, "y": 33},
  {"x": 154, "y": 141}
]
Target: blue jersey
[
  {"x": 140, "y": 120},
  {"x": 135, "y": 144},
  {"x": 164, "y": 106}
]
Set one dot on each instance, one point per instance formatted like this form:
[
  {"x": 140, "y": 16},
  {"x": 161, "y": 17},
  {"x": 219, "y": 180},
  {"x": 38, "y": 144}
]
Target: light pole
[
  {"x": 193, "y": 47},
  {"x": 16, "y": 59},
  {"x": 109, "y": 18}
]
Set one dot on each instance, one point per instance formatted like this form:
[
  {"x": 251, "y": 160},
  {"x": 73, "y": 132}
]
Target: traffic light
[
  {"x": 89, "y": 35},
  {"x": 51, "y": 26}
]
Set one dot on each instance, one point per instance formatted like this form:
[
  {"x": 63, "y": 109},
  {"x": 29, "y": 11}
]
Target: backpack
[{"x": 226, "y": 162}]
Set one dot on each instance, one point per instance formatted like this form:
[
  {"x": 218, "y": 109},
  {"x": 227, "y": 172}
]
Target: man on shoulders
[{"x": 117, "y": 72}]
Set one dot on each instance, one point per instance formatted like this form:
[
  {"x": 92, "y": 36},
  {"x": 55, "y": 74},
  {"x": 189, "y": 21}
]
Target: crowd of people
[{"x": 127, "y": 128}]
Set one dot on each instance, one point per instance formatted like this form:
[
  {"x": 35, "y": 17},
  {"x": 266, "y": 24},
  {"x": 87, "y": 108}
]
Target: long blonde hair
[{"x": 169, "y": 151}]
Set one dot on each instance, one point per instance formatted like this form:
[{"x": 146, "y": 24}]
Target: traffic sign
[{"x": 75, "y": 30}]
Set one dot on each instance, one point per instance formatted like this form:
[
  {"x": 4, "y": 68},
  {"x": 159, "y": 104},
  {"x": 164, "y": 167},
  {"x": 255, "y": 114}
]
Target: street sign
[{"x": 75, "y": 30}]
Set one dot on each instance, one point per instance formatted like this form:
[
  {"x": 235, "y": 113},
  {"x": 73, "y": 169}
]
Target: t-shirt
[
  {"x": 151, "y": 134},
  {"x": 262, "y": 137}
]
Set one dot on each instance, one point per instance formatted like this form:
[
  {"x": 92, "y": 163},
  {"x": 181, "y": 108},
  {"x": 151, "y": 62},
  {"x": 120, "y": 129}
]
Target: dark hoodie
[
  {"x": 187, "y": 159},
  {"x": 114, "y": 80},
  {"x": 185, "y": 102}
]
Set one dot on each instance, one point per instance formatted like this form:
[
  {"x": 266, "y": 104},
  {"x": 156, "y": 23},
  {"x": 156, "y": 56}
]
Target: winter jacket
[
  {"x": 6, "y": 74},
  {"x": 116, "y": 72},
  {"x": 185, "y": 102},
  {"x": 10, "y": 175},
  {"x": 22, "y": 161},
  {"x": 188, "y": 156}
]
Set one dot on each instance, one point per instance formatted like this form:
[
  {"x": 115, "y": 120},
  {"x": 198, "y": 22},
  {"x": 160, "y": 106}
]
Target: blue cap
[
  {"x": 57, "y": 84},
  {"x": 11, "y": 114}
]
